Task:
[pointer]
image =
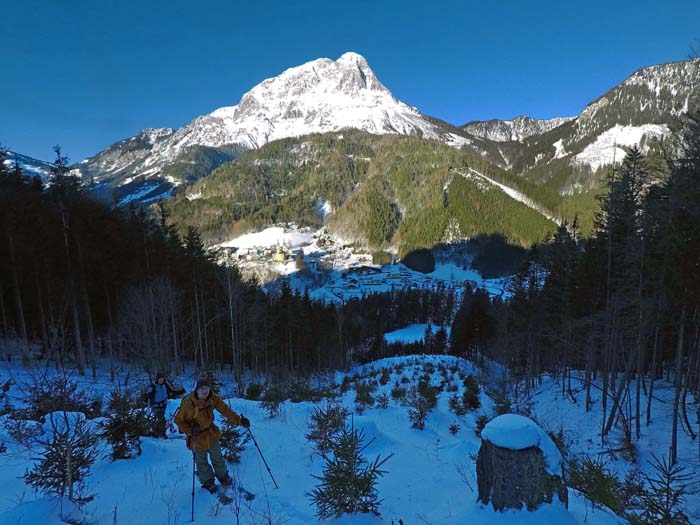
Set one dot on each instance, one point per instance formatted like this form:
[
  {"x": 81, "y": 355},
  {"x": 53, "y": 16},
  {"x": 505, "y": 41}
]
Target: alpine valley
[{"x": 327, "y": 143}]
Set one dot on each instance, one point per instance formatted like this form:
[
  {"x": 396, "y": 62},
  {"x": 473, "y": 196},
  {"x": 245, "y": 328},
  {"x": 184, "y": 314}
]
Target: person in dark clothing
[{"x": 157, "y": 395}]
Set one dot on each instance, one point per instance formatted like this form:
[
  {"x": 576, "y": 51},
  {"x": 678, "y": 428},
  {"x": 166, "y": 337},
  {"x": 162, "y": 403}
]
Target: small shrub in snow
[
  {"x": 272, "y": 399},
  {"x": 302, "y": 391},
  {"x": 421, "y": 401},
  {"x": 503, "y": 406},
  {"x": 632, "y": 490},
  {"x": 363, "y": 396},
  {"x": 384, "y": 378},
  {"x": 125, "y": 426},
  {"x": 405, "y": 380},
  {"x": 398, "y": 393},
  {"x": 593, "y": 478},
  {"x": 662, "y": 502},
  {"x": 325, "y": 426},
  {"x": 345, "y": 385},
  {"x": 481, "y": 421},
  {"x": 123, "y": 432},
  {"x": 67, "y": 456},
  {"x": 58, "y": 393},
  {"x": 457, "y": 406},
  {"x": 470, "y": 397},
  {"x": 454, "y": 429},
  {"x": 233, "y": 441},
  {"x": 451, "y": 387},
  {"x": 383, "y": 400},
  {"x": 429, "y": 392},
  {"x": 348, "y": 483},
  {"x": 253, "y": 391}
]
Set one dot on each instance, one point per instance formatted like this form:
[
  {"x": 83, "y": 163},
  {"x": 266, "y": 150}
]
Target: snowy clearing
[{"x": 430, "y": 478}]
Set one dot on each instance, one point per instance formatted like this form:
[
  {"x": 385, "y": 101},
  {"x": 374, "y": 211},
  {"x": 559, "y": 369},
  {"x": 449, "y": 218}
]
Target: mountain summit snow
[
  {"x": 320, "y": 96},
  {"x": 316, "y": 97}
]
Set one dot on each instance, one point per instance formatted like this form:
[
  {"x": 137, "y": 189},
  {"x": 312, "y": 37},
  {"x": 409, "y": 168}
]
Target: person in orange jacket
[{"x": 195, "y": 419}]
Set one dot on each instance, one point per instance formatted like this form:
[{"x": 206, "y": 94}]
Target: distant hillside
[{"x": 377, "y": 191}]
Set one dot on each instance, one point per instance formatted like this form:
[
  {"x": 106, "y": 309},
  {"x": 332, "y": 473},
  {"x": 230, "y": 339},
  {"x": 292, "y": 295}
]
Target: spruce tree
[
  {"x": 348, "y": 483},
  {"x": 663, "y": 500}
]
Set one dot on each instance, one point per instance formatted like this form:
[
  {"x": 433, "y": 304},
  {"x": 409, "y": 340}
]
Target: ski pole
[
  {"x": 263, "y": 458},
  {"x": 193, "y": 469}
]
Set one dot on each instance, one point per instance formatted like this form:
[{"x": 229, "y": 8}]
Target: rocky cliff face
[{"x": 513, "y": 130}]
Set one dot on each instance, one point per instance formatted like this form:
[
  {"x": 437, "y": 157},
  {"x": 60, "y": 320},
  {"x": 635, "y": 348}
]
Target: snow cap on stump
[{"x": 518, "y": 464}]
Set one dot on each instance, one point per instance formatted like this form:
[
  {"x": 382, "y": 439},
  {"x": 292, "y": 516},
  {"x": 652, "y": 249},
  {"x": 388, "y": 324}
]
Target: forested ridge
[{"x": 383, "y": 189}]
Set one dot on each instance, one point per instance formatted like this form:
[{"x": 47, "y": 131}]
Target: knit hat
[
  {"x": 203, "y": 381},
  {"x": 160, "y": 375}
]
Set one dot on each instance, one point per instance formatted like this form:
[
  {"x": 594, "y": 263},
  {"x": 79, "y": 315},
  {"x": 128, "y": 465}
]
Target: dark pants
[
  {"x": 159, "y": 425},
  {"x": 204, "y": 470}
]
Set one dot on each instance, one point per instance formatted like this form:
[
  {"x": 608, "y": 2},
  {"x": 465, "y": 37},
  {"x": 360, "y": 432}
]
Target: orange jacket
[{"x": 200, "y": 414}]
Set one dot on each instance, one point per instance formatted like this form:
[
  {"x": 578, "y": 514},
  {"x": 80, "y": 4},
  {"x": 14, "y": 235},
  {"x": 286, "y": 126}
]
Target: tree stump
[{"x": 518, "y": 464}]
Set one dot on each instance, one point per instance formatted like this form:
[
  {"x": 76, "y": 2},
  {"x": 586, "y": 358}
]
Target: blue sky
[{"x": 84, "y": 74}]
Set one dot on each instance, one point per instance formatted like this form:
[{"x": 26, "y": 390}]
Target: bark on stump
[{"x": 513, "y": 478}]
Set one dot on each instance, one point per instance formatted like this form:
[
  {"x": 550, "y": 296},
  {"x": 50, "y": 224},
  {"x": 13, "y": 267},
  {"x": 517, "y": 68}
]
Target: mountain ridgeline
[
  {"x": 560, "y": 165},
  {"x": 380, "y": 190}
]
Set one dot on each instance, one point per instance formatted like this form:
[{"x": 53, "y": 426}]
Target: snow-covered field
[{"x": 430, "y": 479}]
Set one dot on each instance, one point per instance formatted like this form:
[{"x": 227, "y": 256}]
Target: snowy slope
[
  {"x": 430, "y": 478},
  {"x": 609, "y": 147},
  {"x": 29, "y": 165},
  {"x": 557, "y": 411}
]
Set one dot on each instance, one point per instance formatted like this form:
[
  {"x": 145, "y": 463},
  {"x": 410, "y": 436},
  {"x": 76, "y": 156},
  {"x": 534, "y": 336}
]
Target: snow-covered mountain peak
[
  {"x": 350, "y": 75},
  {"x": 316, "y": 97}
]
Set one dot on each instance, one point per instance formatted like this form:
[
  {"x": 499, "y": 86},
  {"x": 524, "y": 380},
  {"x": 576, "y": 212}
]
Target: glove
[
  {"x": 245, "y": 422},
  {"x": 188, "y": 442}
]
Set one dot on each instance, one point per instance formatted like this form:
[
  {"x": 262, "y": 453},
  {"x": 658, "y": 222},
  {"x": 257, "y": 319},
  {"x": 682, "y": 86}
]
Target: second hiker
[
  {"x": 157, "y": 395},
  {"x": 195, "y": 419}
]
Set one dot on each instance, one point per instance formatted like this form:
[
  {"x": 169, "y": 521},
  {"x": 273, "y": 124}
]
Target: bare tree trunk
[
  {"x": 652, "y": 375},
  {"x": 235, "y": 361},
  {"x": 677, "y": 380},
  {"x": 173, "y": 327},
  {"x": 42, "y": 316},
  {"x": 71, "y": 287},
  {"x": 3, "y": 313},
  {"x": 205, "y": 328},
  {"x": 198, "y": 327},
  {"x": 24, "y": 342},
  {"x": 110, "y": 331},
  {"x": 640, "y": 338},
  {"x": 607, "y": 366},
  {"x": 88, "y": 312},
  {"x": 624, "y": 383}
]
